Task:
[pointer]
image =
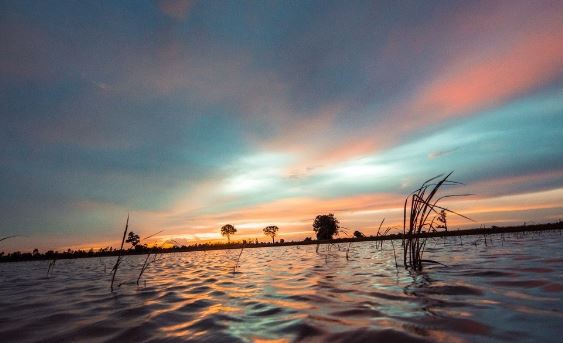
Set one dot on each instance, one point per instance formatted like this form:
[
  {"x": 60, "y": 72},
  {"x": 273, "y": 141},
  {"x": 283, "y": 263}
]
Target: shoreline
[{"x": 50, "y": 255}]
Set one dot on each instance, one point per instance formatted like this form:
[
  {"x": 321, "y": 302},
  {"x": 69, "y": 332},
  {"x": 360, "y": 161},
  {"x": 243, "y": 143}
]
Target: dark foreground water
[{"x": 494, "y": 293}]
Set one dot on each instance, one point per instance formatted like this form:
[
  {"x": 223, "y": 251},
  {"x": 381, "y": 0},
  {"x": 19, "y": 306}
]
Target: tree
[
  {"x": 228, "y": 230},
  {"x": 326, "y": 226},
  {"x": 358, "y": 234},
  {"x": 271, "y": 231},
  {"x": 442, "y": 220},
  {"x": 133, "y": 238}
]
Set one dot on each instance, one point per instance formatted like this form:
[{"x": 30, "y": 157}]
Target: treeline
[
  {"x": 137, "y": 250},
  {"x": 143, "y": 249}
]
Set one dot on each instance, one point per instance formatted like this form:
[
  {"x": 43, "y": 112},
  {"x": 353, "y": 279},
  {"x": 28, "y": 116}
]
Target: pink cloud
[
  {"x": 535, "y": 60},
  {"x": 509, "y": 51}
]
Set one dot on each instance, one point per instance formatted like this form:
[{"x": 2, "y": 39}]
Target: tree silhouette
[
  {"x": 358, "y": 234},
  {"x": 228, "y": 230},
  {"x": 442, "y": 221},
  {"x": 326, "y": 226},
  {"x": 271, "y": 231},
  {"x": 133, "y": 238}
]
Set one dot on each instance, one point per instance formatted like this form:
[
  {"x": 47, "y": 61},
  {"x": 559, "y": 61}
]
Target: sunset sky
[{"x": 193, "y": 114}]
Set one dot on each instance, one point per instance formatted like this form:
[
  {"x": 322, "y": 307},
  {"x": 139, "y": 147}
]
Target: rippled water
[{"x": 508, "y": 292}]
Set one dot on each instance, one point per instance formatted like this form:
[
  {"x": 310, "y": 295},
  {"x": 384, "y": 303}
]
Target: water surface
[{"x": 509, "y": 290}]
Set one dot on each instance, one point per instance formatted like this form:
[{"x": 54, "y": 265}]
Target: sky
[{"x": 193, "y": 114}]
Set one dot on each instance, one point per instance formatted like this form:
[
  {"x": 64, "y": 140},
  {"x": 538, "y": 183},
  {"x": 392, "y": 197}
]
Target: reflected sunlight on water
[{"x": 500, "y": 292}]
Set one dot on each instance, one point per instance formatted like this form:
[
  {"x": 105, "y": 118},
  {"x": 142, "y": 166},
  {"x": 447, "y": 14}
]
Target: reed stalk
[
  {"x": 394, "y": 255},
  {"x": 120, "y": 254},
  {"x": 146, "y": 263},
  {"x": 238, "y": 260},
  {"x": 143, "y": 268},
  {"x": 7, "y": 237},
  {"x": 380, "y": 243},
  {"x": 51, "y": 266}
]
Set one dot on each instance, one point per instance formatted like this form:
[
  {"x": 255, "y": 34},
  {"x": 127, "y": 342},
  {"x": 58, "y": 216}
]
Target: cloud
[
  {"x": 27, "y": 52},
  {"x": 176, "y": 9},
  {"x": 527, "y": 53},
  {"x": 535, "y": 60},
  {"x": 440, "y": 153}
]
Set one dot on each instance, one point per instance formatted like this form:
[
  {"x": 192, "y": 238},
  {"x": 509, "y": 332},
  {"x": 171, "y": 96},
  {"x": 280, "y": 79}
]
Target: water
[{"x": 494, "y": 293}]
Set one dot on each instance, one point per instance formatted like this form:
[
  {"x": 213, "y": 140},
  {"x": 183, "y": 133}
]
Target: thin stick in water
[{"x": 118, "y": 261}]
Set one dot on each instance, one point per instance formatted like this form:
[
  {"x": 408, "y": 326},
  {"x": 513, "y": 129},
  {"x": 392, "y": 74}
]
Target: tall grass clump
[{"x": 421, "y": 216}]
